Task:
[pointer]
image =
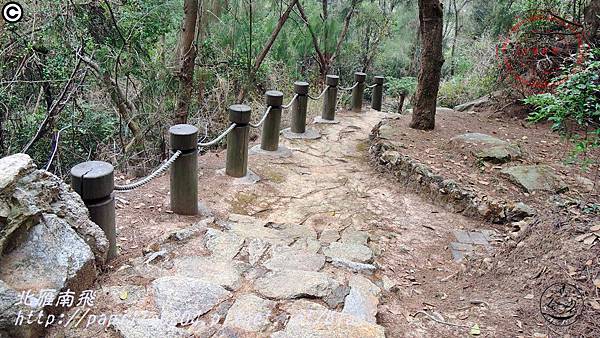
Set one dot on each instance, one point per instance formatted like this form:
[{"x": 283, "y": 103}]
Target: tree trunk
[
  {"x": 187, "y": 56},
  {"x": 592, "y": 22},
  {"x": 401, "y": 103},
  {"x": 267, "y": 47},
  {"x": 430, "y": 26}
]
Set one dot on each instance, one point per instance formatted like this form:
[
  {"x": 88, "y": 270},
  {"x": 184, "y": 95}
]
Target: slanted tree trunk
[
  {"x": 267, "y": 47},
  {"x": 187, "y": 56},
  {"x": 430, "y": 26}
]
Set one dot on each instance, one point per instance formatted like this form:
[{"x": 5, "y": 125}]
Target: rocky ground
[{"x": 324, "y": 245}]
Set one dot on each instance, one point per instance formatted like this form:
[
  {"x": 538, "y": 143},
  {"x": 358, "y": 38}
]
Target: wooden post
[
  {"x": 377, "y": 93},
  {"x": 358, "y": 91},
  {"x": 94, "y": 182},
  {"x": 270, "y": 133},
  {"x": 299, "y": 107},
  {"x": 237, "y": 141},
  {"x": 330, "y": 99},
  {"x": 184, "y": 171}
]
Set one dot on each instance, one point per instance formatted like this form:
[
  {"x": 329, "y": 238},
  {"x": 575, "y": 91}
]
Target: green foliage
[
  {"x": 574, "y": 107},
  {"x": 404, "y": 86}
]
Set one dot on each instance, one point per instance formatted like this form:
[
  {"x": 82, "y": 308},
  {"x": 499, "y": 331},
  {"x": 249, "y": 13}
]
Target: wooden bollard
[
  {"x": 270, "y": 133},
  {"x": 358, "y": 91},
  {"x": 94, "y": 182},
  {"x": 299, "y": 107},
  {"x": 377, "y": 93},
  {"x": 330, "y": 99},
  {"x": 184, "y": 171},
  {"x": 237, "y": 141}
]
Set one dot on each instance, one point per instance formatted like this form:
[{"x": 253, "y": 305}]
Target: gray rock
[
  {"x": 182, "y": 299},
  {"x": 353, "y": 266},
  {"x": 519, "y": 211},
  {"x": 53, "y": 256},
  {"x": 355, "y": 236},
  {"x": 363, "y": 299},
  {"x": 535, "y": 178},
  {"x": 250, "y": 313},
  {"x": 195, "y": 229},
  {"x": 296, "y": 231},
  {"x": 256, "y": 249},
  {"x": 473, "y": 104},
  {"x": 349, "y": 251},
  {"x": 309, "y": 134},
  {"x": 307, "y": 244},
  {"x": 487, "y": 147},
  {"x": 329, "y": 235},
  {"x": 289, "y": 284},
  {"x": 312, "y": 320},
  {"x": 254, "y": 230},
  {"x": 223, "y": 244},
  {"x": 224, "y": 272},
  {"x": 142, "y": 324},
  {"x": 283, "y": 258}
]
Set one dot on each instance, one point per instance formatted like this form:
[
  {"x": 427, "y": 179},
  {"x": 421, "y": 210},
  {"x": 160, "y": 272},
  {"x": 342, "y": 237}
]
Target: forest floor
[{"x": 392, "y": 265}]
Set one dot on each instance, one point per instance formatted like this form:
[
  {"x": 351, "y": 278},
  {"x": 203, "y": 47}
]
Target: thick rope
[
  {"x": 350, "y": 88},
  {"x": 263, "y": 118},
  {"x": 320, "y": 96},
  {"x": 290, "y": 104},
  {"x": 150, "y": 177},
  {"x": 219, "y": 138},
  {"x": 372, "y": 86}
]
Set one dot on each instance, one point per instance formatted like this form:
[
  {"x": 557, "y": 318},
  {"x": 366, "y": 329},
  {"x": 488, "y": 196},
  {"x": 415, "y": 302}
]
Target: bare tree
[
  {"x": 187, "y": 56},
  {"x": 430, "y": 26}
]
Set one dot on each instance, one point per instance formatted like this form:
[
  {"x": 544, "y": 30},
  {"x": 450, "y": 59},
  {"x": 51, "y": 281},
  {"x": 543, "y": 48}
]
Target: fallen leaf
[
  {"x": 595, "y": 305},
  {"x": 475, "y": 330},
  {"x": 529, "y": 296},
  {"x": 595, "y": 228},
  {"x": 123, "y": 295},
  {"x": 582, "y": 237},
  {"x": 597, "y": 282}
]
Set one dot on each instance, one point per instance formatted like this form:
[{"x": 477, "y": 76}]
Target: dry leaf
[
  {"x": 597, "y": 282},
  {"x": 595, "y": 228},
  {"x": 124, "y": 295},
  {"x": 475, "y": 330},
  {"x": 582, "y": 237},
  {"x": 595, "y": 305},
  {"x": 590, "y": 240},
  {"x": 529, "y": 296}
]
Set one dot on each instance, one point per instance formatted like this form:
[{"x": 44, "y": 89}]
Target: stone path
[{"x": 305, "y": 265}]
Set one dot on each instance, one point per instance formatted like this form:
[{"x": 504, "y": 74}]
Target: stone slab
[
  {"x": 281, "y": 152},
  {"x": 309, "y": 134}
]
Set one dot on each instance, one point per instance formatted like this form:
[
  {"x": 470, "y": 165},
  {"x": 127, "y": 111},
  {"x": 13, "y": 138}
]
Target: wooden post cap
[
  {"x": 274, "y": 98},
  {"x": 332, "y": 80},
  {"x": 301, "y": 88},
  {"x": 239, "y": 114},
  {"x": 93, "y": 180},
  {"x": 378, "y": 80},
  {"x": 360, "y": 77},
  {"x": 183, "y": 137}
]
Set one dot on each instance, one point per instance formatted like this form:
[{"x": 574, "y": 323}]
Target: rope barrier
[
  {"x": 290, "y": 104},
  {"x": 219, "y": 138},
  {"x": 150, "y": 177},
  {"x": 320, "y": 96},
  {"x": 372, "y": 86},
  {"x": 263, "y": 118},
  {"x": 350, "y": 88}
]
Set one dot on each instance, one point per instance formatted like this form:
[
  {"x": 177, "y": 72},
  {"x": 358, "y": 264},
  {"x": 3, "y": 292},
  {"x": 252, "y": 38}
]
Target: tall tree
[
  {"x": 187, "y": 56},
  {"x": 431, "y": 16}
]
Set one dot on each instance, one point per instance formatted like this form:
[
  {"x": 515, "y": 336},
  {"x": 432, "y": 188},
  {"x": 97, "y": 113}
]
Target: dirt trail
[{"x": 264, "y": 263}]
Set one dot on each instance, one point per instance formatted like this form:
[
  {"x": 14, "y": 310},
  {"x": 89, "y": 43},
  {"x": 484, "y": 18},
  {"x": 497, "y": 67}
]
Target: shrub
[{"x": 574, "y": 106}]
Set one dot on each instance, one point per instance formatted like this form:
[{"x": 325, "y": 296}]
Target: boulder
[
  {"x": 363, "y": 299},
  {"x": 535, "y": 178},
  {"x": 283, "y": 258},
  {"x": 488, "y": 148},
  {"x": 47, "y": 241},
  {"x": 224, "y": 272},
  {"x": 473, "y": 104}
]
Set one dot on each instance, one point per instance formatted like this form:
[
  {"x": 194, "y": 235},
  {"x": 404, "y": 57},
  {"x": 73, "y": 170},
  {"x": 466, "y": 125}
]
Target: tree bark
[
  {"x": 431, "y": 24},
  {"x": 187, "y": 56}
]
